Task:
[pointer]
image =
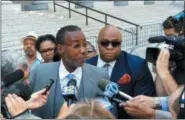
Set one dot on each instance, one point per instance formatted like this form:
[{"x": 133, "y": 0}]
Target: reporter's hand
[
  {"x": 162, "y": 63},
  {"x": 15, "y": 104},
  {"x": 149, "y": 101},
  {"x": 139, "y": 110},
  {"x": 38, "y": 99}
]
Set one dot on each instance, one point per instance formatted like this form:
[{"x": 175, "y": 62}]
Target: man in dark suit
[
  {"x": 129, "y": 71},
  {"x": 72, "y": 48}
]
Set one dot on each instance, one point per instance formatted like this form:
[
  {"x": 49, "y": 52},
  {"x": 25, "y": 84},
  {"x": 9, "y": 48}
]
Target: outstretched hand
[
  {"x": 38, "y": 99},
  {"x": 139, "y": 110}
]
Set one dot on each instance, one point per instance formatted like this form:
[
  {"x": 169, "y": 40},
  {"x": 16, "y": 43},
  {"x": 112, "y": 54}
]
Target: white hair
[{"x": 11, "y": 61}]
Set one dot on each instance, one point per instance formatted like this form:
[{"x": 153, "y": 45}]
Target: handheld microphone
[
  {"x": 12, "y": 78},
  {"x": 113, "y": 89},
  {"x": 70, "y": 92},
  {"x": 110, "y": 91},
  {"x": 48, "y": 86}
]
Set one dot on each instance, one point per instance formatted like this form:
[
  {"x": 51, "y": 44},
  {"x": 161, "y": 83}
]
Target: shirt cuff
[{"x": 159, "y": 114}]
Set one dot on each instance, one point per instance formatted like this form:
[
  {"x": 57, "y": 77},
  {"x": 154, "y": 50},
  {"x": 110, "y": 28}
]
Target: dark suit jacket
[
  {"x": 91, "y": 75},
  {"x": 141, "y": 78}
]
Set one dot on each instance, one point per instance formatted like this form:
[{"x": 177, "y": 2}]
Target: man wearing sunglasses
[{"x": 129, "y": 71}]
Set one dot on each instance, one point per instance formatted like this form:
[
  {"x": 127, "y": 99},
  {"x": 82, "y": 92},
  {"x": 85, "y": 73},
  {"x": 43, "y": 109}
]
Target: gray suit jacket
[{"x": 39, "y": 76}]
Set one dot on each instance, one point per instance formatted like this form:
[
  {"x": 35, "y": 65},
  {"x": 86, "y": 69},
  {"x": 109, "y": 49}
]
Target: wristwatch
[{"x": 157, "y": 103}]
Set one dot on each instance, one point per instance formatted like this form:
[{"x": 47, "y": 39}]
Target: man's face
[
  {"x": 170, "y": 32},
  {"x": 109, "y": 44},
  {"x": 47, "y": 50},
  {"x": 74, "y": 51},
  {"x": 29, "y": 47}
]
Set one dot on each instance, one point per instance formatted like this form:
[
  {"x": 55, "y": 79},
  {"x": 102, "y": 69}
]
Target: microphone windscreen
[
  {"x": 21, "y": 89},
  {"x": 102, "y": 84},
  {"x": 72, "y": 82},
  {"x": 13, "y": 77},
  {"x": 157, "y": 39}
]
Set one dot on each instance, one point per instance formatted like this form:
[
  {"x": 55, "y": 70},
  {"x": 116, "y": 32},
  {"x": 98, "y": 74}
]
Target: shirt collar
[
  {"x": 63, "y": 71},
  {"x": 101, "y": 63}
]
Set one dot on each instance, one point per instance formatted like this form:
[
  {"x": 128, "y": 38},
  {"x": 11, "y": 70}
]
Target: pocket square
[{"x": 125, "y": 79}]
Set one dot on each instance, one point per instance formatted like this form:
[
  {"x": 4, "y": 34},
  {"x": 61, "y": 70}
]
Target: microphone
[
  {"x": 157, "y": 39},
  {"x": 112, "y": 89},
  {"x": 173, "y": 40},
  {"x": 21, "y": 89},
  {"x": 70, "y": 92},
  {"x": 12, "y": 78}
]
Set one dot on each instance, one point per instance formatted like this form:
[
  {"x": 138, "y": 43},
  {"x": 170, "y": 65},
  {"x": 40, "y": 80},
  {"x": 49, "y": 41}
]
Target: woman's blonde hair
[{"x": 89, "y": 109}]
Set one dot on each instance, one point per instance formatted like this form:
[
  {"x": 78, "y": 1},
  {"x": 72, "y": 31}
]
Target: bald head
[
  {"x": 109, "y": 30},
  {"x": 109, "y": 43}
]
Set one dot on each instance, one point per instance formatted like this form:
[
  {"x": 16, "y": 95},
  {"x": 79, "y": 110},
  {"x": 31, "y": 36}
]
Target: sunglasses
[{"x": 113, "y": 43}]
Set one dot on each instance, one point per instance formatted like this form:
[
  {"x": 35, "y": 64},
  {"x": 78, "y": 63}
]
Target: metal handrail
[
  {"x": 106, "y": 15},
  {"x": 103, "y": 13}
]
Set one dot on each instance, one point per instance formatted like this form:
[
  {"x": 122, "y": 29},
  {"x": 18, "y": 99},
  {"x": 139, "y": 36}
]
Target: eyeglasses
[
  {"x": 90, "y": 51},
  {"x": 77, "y": 46},
  {"x": 47, "y": 50},
  {"x": 113, "y": 43}
]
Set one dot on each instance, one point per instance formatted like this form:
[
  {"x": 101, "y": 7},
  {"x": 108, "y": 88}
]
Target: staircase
[{"x": 16, "y": 24}]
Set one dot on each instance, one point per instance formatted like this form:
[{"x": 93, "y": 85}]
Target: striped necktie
[{"x": 106, "y": 65}]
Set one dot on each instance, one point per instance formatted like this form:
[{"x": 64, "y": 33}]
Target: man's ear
[{"x": 60, "y": 49}]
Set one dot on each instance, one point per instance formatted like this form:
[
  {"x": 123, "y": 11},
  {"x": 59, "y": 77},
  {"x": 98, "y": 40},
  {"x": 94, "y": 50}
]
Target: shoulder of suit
[
  {"x": 135, "y": 63},
  {"x": 91, "y": 59},
  {"x": 133, "y": 58},
  {"x": 92, "y": 67},
  {"x": 46, "y": 66}
]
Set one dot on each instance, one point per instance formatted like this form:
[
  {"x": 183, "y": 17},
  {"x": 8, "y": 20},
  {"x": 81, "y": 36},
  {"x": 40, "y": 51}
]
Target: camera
[
  {"x": 176, "y": 48},
  {"x": 21, "y": 89}
]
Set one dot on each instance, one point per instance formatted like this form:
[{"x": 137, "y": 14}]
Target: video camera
[
  {"x": 13, "y": 85},
  {"x": 176, "y": 45},
  {"x": 176, "y": 48}
]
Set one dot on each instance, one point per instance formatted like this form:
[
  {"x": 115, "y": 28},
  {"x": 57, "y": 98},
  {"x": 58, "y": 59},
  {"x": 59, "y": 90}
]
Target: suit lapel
[
  {"x": 94, "y": 60},
  {"x": 58, "y": 98},
  {"x": 119, "y": 68},
  {"x": 54, "y": 90},
  {"x": 85, "y": 85}
]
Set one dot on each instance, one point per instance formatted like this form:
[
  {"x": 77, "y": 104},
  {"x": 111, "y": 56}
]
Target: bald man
[{"x": 129, "y": 71}]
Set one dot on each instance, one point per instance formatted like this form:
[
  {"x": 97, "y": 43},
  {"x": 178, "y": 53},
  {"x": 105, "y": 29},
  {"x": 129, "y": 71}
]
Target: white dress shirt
[
  {"x": 101, "y": 64},
  {"x": 63, "y": 75}
]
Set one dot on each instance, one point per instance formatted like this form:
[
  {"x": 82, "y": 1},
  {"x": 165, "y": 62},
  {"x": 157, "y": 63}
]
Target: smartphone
[{"x": 48, "y": 85}]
